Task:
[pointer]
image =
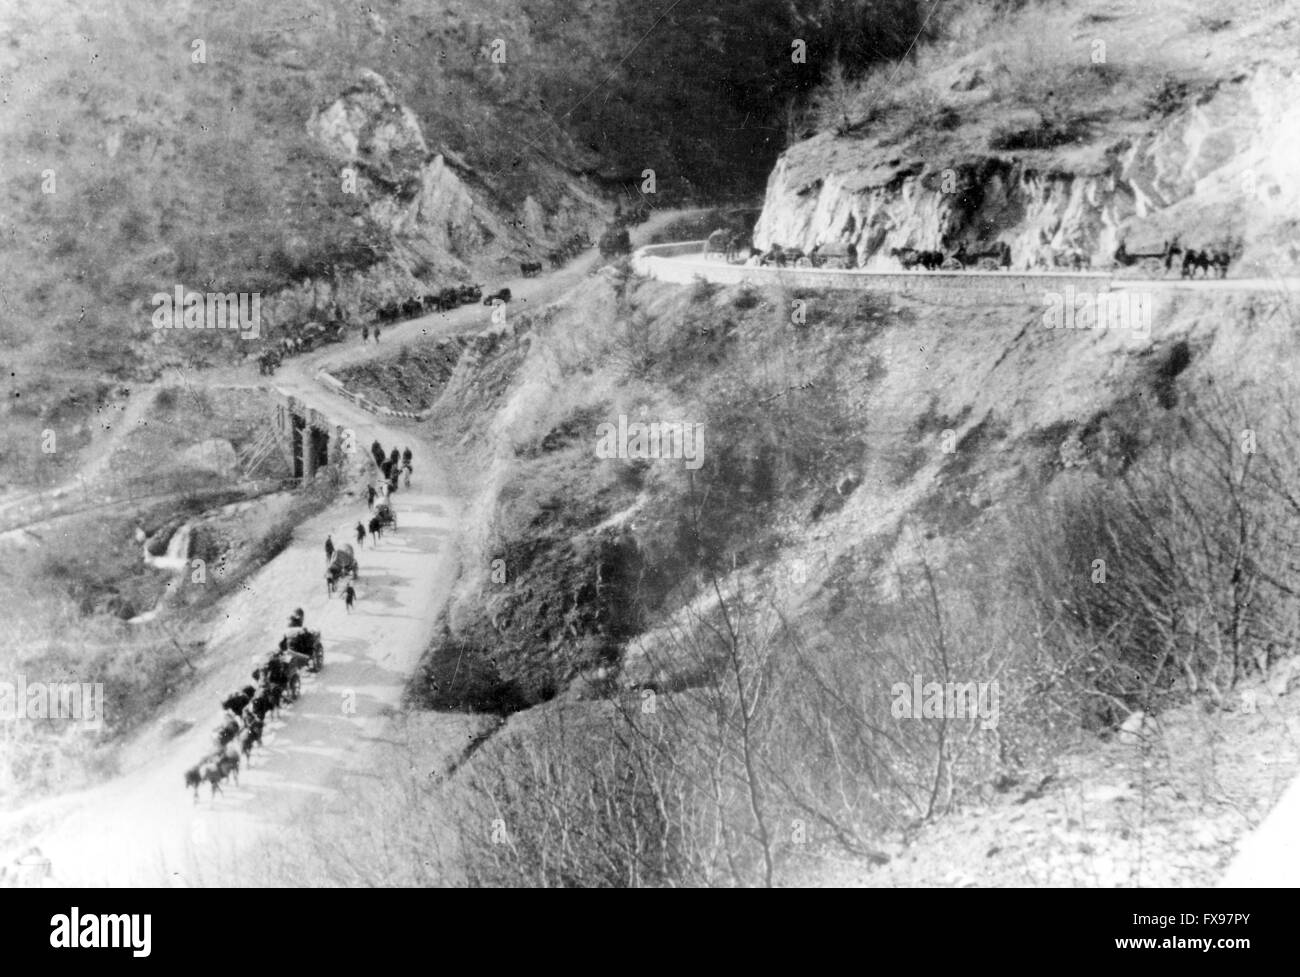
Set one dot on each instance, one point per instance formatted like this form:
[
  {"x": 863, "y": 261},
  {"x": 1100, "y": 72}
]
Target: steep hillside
[
  {"x": 1086, "y": 528},
  {"x": 765, "y": 584},
  {"x": 888, "y": 488},
  {"x": 308, "y": 152},
  {"x": 1063, "y": 130},
  {"x": 335, "y": 158}
]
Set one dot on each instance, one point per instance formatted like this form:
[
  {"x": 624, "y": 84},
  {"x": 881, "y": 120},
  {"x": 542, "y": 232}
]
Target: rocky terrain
[
  {"x": 1111, "y": 125},
  {"x": 586, "y": 662}
]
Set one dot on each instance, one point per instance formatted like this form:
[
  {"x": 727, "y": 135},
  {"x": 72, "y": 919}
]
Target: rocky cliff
[
  {"x": 1212, "y": 166},
  {"x": 431, "y": 200},
  {"x": 443, "y": 219}
]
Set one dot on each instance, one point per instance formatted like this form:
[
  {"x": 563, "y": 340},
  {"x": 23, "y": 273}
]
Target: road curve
[{"x": 141, "y": 827}]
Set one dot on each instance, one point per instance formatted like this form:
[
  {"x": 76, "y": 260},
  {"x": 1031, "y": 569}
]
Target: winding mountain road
[{"x": 141, "y": 827}]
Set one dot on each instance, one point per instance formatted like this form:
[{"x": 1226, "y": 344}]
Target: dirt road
[
  {"x": 142, "y": 827},
  {"x": 684, "y": 262},
  {"x": 526, "y": 293}
]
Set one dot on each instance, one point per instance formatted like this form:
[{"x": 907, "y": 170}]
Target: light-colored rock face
[
  {"x": 445, "y": 206},
  {"x": 425, "y": 200},
  {"x": 368, "y": 127},
  {"x": 409, "y": 191},
  {"x": 1211, "y": 172}
]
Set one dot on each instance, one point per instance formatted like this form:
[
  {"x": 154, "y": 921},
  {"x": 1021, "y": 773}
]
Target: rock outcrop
[
  {"x": 410, "y": 191},
  {"x": 368, "y": 128},
  {"x": 1216, "y": 171},
  {"x": 443, "y": 219}
]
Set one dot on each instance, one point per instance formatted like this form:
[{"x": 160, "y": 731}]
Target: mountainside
[
  {"x": 336, "y": 158},
  {"x": 310, "y": 152},
  {"x": 1061, "y": 130},
  {"x": 902, "y": 489},
  {"x": 892, "y": 490},
  {"x": 735, "y": 575}
]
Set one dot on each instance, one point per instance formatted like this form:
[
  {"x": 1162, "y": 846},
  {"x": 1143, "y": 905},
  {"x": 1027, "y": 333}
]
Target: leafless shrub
[{"x": 1172, "y": 581}]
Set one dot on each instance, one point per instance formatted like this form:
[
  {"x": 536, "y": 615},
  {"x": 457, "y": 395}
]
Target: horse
[
  {"x": 256, "y": 711},
  {"x": 226, "y": 732},
  {"x": 263, "y": 704},
  {"x": 208, "y": 769},
  {"x": 1218, "y": 260},
  {"x": 1194, "y": 260},
  {"x": 228, "y": 764},
  {"x": 250, "y": 737},
  {"x": 194, "y": 778},
  {"x": 236, "y": 703},
  {"x": 1073, "y": 260},
  {"x": 779, "y": 255}
]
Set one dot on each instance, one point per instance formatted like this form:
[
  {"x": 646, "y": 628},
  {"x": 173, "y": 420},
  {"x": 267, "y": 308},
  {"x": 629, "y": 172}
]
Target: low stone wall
[
  {"x": 364, "y": 402},
  {"x": 682, "y": 263}
]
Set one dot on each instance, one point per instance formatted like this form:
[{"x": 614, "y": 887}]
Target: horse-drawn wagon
[
  {"x": 845, "y": 255},
  {"x": 298, "y": 649},
  {"x": 342, "y": 563},
  {"x": 1153, "y": 264},
  {"x": 384, "y": 513}
]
